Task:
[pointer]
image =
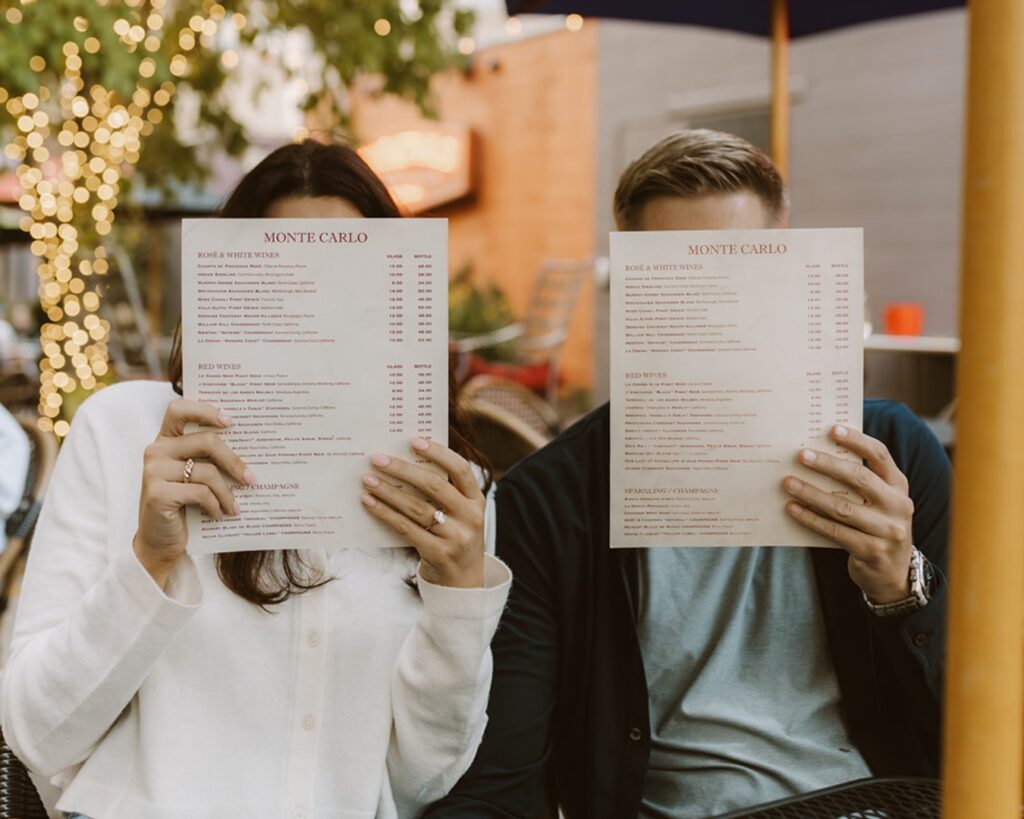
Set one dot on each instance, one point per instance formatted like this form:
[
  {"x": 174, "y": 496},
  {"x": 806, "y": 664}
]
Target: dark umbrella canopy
[{"x": 749, "y": 16}]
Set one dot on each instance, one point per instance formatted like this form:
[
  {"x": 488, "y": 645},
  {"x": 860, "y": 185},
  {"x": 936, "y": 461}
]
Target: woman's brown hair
[{"x": 306, "y": 169}]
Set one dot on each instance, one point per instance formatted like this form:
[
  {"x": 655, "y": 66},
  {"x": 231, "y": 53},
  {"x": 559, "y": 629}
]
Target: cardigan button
[
  {"x": 636, "y": 734},
  {"x": 920, "y": 640}
]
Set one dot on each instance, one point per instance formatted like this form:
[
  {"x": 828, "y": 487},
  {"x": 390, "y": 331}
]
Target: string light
[
  {"x": 74, "y": 150},
  {"x": 75, "y": 144}
]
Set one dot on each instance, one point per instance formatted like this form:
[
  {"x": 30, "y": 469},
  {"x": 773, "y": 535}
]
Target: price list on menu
[
  {"x": 325, "y": 340},
  {"x": 731, "y": 351},
  {"x": 412, "y": 325}
]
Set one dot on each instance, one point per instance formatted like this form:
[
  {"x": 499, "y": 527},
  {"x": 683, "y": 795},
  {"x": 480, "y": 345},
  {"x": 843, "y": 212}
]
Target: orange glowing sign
[{"x": 424, "y": 166}]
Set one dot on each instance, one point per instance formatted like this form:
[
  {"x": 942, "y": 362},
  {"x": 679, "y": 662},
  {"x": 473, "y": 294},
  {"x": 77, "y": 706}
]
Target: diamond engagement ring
[
  {"x": 439, "y": 518},
  {"x": 189, "y": 466}
]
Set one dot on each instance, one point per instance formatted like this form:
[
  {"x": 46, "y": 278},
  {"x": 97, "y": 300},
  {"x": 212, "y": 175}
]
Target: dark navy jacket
[{"x": 569, "y": 698}]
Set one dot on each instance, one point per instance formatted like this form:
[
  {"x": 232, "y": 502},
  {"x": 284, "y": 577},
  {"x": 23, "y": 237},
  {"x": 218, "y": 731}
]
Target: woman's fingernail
[
  {"x": 248, "y": 477},
  {"x": 808, "y": 456},
  {"x": 793, "y": 508},
  {"x": 422, "y": 444},
  {"x": 236, "y": 510},
  {"x": 792, "y": 484},
  {"x": 380, "y": 460},
  {"x": 369, "y": 500},
  {"x": 371, "y": 480},
  {"x": 224, "y": 418},
  {"x": 841, "y": 431}
]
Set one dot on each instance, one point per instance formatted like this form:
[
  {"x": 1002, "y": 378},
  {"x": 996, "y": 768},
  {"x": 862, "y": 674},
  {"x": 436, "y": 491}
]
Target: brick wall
[{"x": 532, "y": 105}]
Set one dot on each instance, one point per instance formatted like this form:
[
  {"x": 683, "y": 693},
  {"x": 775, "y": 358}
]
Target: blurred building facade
[{"x": 556, "y": 115}]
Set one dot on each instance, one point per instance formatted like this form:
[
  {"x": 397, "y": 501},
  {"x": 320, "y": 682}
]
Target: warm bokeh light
[
  {"x": 73, "y": 152},
  {"x": 77, "y": 124}
]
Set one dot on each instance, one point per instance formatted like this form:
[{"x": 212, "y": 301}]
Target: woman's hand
[
  {"x": 167, "y": 489},
  {"x": 451, "y": 545},
  {"x": 878, "y": 534}
]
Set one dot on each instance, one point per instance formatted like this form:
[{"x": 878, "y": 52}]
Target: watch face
[{"x": 930, "y": 579}]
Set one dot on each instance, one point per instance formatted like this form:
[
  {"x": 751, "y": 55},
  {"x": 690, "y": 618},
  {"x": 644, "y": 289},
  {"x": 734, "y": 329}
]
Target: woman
[{"x": 151, "y": 683}]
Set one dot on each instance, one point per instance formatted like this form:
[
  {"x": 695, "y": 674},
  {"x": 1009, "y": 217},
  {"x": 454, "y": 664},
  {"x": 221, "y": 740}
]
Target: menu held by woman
[
  {"x": 325, "y": 341},
  {"x": 731, "y": 352}
]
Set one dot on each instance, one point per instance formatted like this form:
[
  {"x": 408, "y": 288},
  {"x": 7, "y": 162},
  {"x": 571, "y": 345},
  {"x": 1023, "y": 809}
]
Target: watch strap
[{"x": 922, "y": 581}]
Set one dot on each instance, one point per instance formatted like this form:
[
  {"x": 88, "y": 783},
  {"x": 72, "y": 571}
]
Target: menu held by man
[
  {"x": 731, "y": 352},
  {"x": 325, "y": 341}
]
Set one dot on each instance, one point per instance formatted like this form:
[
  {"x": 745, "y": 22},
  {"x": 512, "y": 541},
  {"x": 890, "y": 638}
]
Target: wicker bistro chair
[
  {"x": 501, "y": 436},
  {"x": 514, "y": 398},
  {"x": 18, "y": 796},
  {"x": 863, "y": 799}
]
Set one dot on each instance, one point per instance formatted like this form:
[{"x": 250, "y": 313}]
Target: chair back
[
  {"x": 500, "y": 435},
  {"x": 18, "y": 796},
  {"x": 549, "y": 311},
  {"x": 515, "y": 399}
]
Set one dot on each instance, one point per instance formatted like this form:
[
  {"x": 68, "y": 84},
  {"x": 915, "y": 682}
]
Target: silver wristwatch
[{"x": 921, "y": 583}]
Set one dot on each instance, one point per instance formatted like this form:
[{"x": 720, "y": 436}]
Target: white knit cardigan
[{"x": 361, "y": 698}]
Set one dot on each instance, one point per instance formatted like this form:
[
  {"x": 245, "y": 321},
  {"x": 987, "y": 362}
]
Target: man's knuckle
[
  {"x": 873, "y": 551},
  {"x": 863, "y": 479},
  {"x": 897, "y": 531}
]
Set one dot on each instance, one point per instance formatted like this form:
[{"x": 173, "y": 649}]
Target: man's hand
[{"x": 877, "y": 534}]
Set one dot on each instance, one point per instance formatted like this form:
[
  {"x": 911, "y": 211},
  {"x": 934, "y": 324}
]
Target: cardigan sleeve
[
  {"x": 441, "y": 684},
  {"x": 90, "y": 624}
]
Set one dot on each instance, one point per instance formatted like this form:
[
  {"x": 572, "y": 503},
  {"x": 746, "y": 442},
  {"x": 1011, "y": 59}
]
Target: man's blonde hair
[{"x": 697, "y": 163}]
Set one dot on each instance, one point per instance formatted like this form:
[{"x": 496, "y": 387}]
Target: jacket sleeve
[
  {"x": 89, "y": 626},
  {"x": 911, "y": 660},
  {"x": 508, "y": 776}
]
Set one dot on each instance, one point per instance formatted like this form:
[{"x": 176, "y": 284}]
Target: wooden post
[
  {"x": 780, "y": 86},
  {"x": 985, "y": 672}
]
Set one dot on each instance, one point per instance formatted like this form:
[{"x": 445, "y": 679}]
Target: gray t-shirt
[{"x": 744, "y": 702}]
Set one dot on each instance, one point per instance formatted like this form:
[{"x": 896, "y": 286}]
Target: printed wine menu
[
  {"x": 325, "y": 340},
  {"x": 731, "y": 352}
]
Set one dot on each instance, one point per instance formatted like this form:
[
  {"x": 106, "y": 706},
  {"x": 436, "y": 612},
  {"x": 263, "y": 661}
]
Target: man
[{"x": 691, "y": 682}]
